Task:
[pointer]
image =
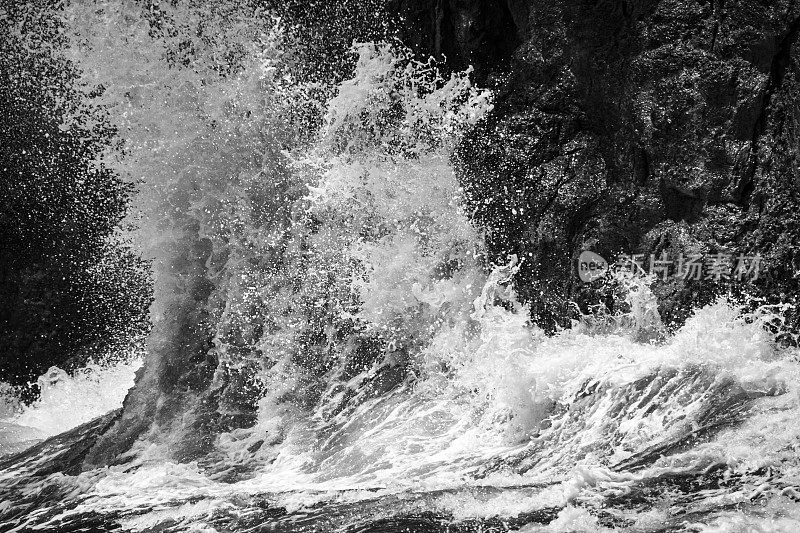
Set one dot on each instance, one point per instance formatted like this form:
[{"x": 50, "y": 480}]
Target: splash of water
[
  {"x": 66, "y": 401},
  {"x": 366, "y": 361}
]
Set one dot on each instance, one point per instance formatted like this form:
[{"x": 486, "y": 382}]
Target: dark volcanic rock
[
  {"x": 643, "y": 126},
  {"x": 482, "y": 34}
]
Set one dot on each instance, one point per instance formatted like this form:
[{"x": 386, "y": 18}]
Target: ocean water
[{"x": 575, "y": 432}]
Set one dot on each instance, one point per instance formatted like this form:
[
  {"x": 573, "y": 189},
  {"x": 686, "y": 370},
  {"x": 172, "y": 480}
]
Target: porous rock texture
[{"x": 628, "y": 127}]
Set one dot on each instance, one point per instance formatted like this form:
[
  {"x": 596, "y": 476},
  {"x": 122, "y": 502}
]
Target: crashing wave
[{"x": 332, "y": 352}]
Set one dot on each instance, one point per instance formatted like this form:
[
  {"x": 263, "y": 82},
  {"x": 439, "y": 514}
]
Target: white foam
[{"x": 67, "y": 401}]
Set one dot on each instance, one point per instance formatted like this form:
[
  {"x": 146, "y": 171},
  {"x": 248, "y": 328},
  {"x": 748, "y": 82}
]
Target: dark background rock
[
  {"x": 68, "y": 292},
  {"x": 641, "y": 126}
]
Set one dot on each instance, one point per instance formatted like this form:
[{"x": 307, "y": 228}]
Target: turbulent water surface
[{"x": 280, "y": 210}]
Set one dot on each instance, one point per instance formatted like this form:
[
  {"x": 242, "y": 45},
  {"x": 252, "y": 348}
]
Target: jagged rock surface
[{"x": 641, "y": 126}]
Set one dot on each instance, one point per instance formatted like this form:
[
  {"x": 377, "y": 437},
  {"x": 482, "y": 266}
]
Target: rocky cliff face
[{"x": 634, "y": 126}]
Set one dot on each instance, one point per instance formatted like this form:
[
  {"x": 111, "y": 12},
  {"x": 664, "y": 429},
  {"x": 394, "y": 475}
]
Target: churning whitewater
[{"x": 369, "y": 370}]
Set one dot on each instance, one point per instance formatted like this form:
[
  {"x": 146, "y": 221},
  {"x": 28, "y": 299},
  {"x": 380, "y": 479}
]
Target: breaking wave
[
  {"x": 65, "y": 401},
  {"x": 373, "y": 371}
]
